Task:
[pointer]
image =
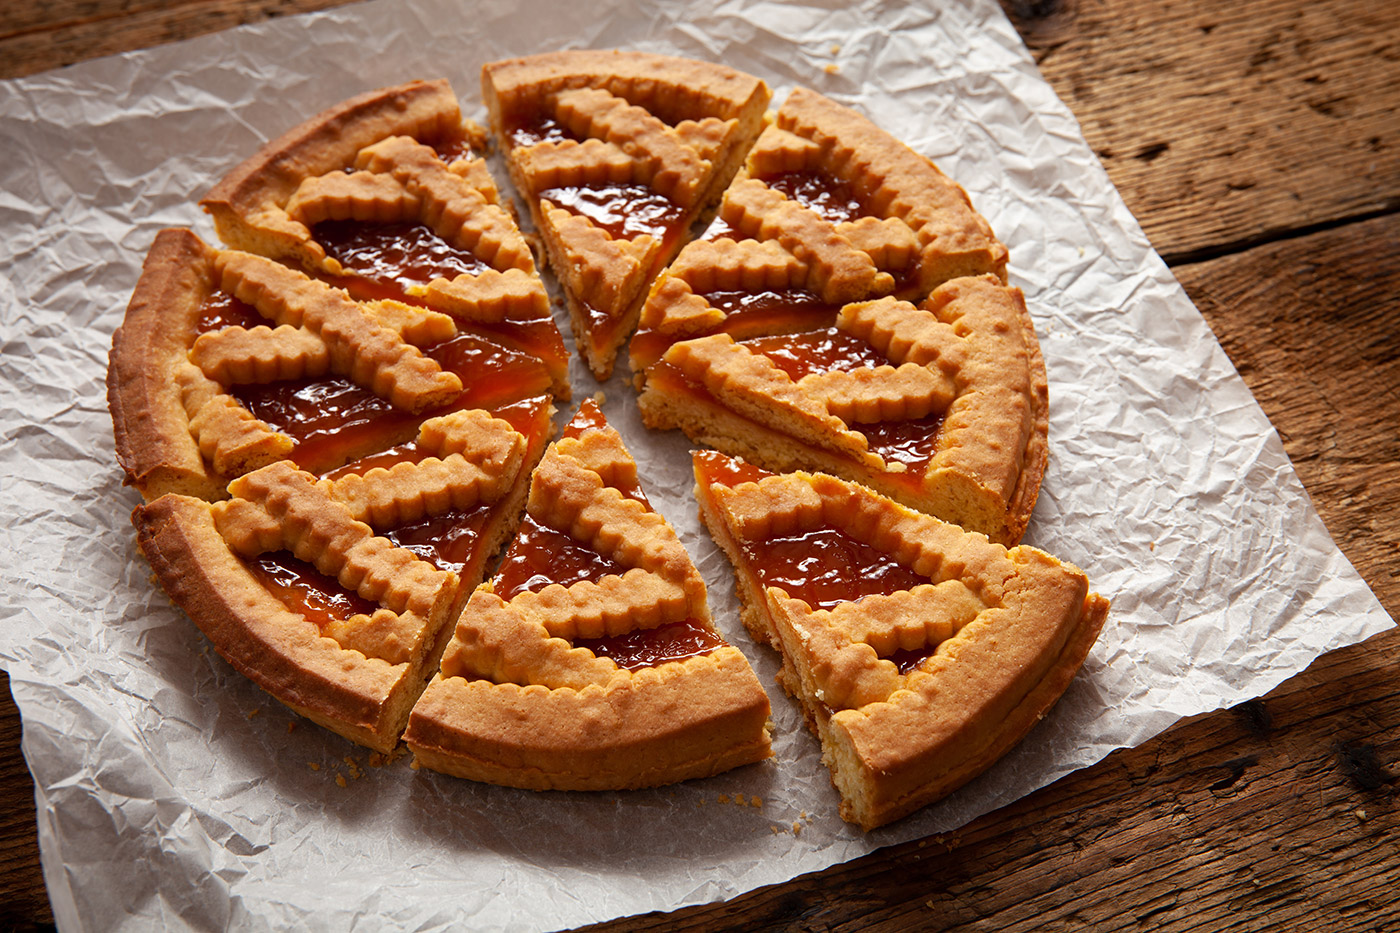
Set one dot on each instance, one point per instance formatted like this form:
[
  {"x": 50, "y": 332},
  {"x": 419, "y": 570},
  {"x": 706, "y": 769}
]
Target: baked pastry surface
[
  {"x": 589, "y": 661},
  {"x": 920, "y": 653},
  {"x": 847, "y": 311},
  {"x": 618, "y": 154}
]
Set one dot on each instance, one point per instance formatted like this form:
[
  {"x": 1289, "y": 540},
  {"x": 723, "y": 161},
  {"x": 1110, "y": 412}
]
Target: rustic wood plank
[
  {"x": 1226, "y": 125},
  {"x": 23, "y": 900},
  {"x": 35, "y": 37}
]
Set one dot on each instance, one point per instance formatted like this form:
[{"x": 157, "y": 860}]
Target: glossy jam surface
[
  {"x": 826, "y": 567},
  {"x": 539, "y": 556},
  {"x": 450, "y": 150},
  {"x": 447, "y": 541},
  {"x": 305, "y": 590},
  {"x": 624, "y": 211},
  {"x": 817, "y": 351},
  {"x": 222, "y": 310},
  {"x": 394, "y": 255},
  {"x": 829, "y": 198},
  {"x": 332, "y": 420},
  {"x": 711, "y": 466},
  {"x": 674, "y": 641},
  {"x": 538, "y": 129},
  {"x": 912, "y": 443}
]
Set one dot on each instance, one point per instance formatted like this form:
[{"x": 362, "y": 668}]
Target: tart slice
[
  {"x": 386, "y": 195},
  {"x": 336, "y": 595},
  {"x": 589, "y": 661},
  {"x": 848, "y": 312},
  {"x": 920, "y": 653},
  {"x": 618, "y": 154}
]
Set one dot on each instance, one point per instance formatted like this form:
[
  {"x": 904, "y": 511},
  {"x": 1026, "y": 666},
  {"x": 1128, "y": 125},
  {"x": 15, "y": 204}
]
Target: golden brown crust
[
  {"x": 153, "y": 441},
  {"x": 1007, "y": 629},
  {"x": 676, "y": 126},
  {"x": 517, "y": 703}
]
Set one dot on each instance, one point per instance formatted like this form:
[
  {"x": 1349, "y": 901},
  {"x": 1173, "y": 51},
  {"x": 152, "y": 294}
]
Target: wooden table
[{"x": 1258, "y": 142}]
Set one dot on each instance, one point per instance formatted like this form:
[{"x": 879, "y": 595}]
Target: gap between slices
[
  {"x": 589, "y": 661},
  {"x": 920, "y": 653}
]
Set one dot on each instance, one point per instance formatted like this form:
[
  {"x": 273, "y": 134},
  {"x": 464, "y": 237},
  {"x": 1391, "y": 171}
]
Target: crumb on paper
[
  {"x": 836, "y": 50},
  {"x": 313, "y": 766},
  {"x": 253, "y": 712},
  {"x": 722, "y": 798},
  {"x": 340, "y": 779},
  {"x": 796, "y": 828},
  {"x": 756, "y": 802},
  {"x": 832, "y": 69},
  {"x": 291, "y": 726},
  {"x": 600, "y": 397}
]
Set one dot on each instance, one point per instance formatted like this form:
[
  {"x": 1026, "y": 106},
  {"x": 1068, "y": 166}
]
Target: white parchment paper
[{"x": 171, "y": 791}]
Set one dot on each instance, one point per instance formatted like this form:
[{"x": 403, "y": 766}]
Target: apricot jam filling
[
  {"x": 393, "y": 256},
  {"x": 221, "y": 310},
  {"x": 624, "y": 211},
  {"x": 306, "y": 591},
  {"x": 817, "y": 351},
  {"x": 828, "y": 198},
  {"x": 538, "y": 129},
  {"x": 674, "y": 641},
  {"x": 540, "y": 555},
  {"x": 332, "y": 420},
  {"x": 448, "y": 541}
]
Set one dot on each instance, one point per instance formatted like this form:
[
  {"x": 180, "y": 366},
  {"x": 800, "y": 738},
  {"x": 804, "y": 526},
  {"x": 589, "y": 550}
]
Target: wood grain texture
[
  {"x": 1257, "y": 143},
  {"x": 1229, "y": 124}
]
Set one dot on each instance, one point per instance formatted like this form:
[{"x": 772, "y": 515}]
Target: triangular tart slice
[
  {"x": 387, "y": 196},
  {"x": 920, "y": 653},
  {"x": 618, "y": 154},
  {"x": 336, "y": 595},
  {"x": 228, "y": 361},
  {"x": 589, "y": 661}
]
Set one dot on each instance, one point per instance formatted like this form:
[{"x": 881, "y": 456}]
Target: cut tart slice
[
  {"x": 789, "y": 334},
  {"x": 228, "y": 361},
  {"x": 336, "y": 595},
  {"x": 589, "y": 661},
  {"x": 920, "y": 653},
  {"x": 386, "y": 196},
  {"x": 618, "y": 154}
]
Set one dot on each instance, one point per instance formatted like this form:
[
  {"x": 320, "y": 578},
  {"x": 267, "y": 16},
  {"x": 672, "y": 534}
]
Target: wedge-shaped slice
[
  {"x": 920, "y": 653},
  {"x": 336, "y": 595},
  {"x": 618, "y": 153},
  {"x": 385, "y": 195},
  {"x": 589, "y": 662},
  {"x": 228, "y": 361},
  {"x": 941, "y": 406}
]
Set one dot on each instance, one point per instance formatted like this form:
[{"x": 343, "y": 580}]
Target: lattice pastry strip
[
  {"x": 227, "y": 434},
  {"x": 359, "y": 347},
  {"x": 281, "y": 508}
]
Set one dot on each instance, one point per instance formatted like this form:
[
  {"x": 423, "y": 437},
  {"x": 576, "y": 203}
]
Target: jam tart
[
  {"x": 920, "y": 653},
  {"x": 589, "y": 661},
  {"x": 618, "y": 154}
]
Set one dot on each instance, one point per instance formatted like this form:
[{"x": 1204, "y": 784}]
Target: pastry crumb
[
  {"x": 313, "y": 766},
  {"x": 340, "y": 779},
  {"x": 796, "y": 828},
  {"x": 253, "y": 712},
  {"x": 722, "y": 798},
  {"x": 291, "y": 726},
  {"x": 836, "y": 50},
  {"x": 832, "y": 69},
  {"x": 756, "y": 802}
]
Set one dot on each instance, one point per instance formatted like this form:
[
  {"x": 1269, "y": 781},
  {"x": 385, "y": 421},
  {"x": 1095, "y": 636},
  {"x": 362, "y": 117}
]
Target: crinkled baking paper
[{"x": 172, "y": 792}]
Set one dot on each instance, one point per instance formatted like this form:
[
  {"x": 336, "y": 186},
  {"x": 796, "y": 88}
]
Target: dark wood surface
[{"x": 1258, "y": 142}]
